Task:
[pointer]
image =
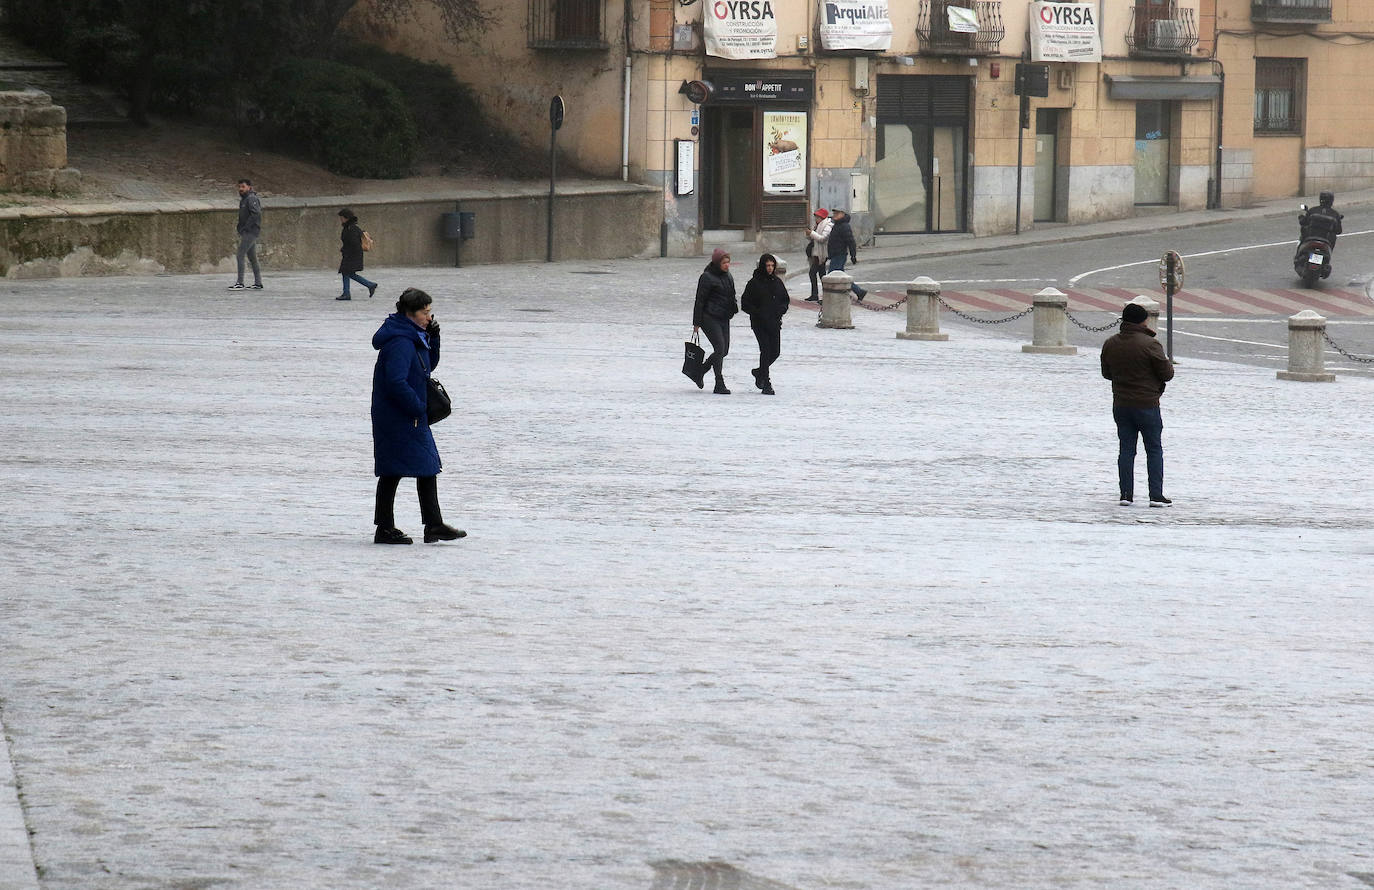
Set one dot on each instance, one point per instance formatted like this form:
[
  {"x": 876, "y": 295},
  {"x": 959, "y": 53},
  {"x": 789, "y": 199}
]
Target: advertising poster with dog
[
  {"x": 854, "y": 24},
  {"x": 784, "y": 152},
  {"x": 741, "y": 29}
]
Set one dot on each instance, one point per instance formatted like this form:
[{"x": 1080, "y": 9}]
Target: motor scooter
[{"x": 1313, "y": 259}]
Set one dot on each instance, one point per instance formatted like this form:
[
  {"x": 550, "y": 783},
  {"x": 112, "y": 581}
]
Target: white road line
[
  {"x": 1230, "y": 340},
  {"x": 973, "y": 281},
  {"x": 1187, "y": 256}
]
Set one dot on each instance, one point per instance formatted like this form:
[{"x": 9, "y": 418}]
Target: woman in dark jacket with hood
[
  {"x": 714, "y": 308},
  {"x": 765, "y": 301},
  {"x": 351, "y": 252},
  {"x": 407, "y": 347}
]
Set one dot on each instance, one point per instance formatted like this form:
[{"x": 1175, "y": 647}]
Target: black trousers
[
  {"x": 718, "y": 332},
  {"x": 426, "y": 486},
  {"x": 815, "y": 271},
  {"x": 770, "y": 345}
]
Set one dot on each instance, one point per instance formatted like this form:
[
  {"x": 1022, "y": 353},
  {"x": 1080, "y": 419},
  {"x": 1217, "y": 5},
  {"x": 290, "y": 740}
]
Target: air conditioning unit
[{"x": 1167, "y": 35}]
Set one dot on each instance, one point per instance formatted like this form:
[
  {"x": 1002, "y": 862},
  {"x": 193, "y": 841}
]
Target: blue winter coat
[{"x": 402, "y": 444}]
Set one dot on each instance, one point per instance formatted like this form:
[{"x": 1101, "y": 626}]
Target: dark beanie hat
[{"x": 1134, "y": 313}]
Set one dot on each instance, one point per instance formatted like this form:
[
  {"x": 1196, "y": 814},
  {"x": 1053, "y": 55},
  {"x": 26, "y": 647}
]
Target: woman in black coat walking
[
  {"x": 714, "y": 308},
  {"x": 765, "y": 301},
  {"x": 351, "y": 252}
]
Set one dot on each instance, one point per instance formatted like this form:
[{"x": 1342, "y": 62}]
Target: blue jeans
[
  {"x": 1148, "y": 424},
  {"x": 358, "y": 278},
  {"x": 837, "y": 265}
]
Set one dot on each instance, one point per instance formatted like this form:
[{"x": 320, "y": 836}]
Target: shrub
[
  {"x": 455, "y": 130},
  {"x": 351, "y": 122}
]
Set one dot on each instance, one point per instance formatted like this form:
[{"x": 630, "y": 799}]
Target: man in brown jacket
[{"x": 1136, "y": 365}]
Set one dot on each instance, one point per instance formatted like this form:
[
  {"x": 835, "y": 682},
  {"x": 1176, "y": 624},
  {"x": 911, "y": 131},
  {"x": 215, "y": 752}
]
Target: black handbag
[
  {"x": 693, "y": 359},
  {"x": 437, "y": 403}
]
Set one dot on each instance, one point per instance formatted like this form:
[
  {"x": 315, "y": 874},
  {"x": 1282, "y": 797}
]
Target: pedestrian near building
[
  {"x": 817, "y": 252},
  {"x": 765, "y": 301},
  {"x": 841, "y": 244},
  {"x": 351, "y": 254},
  {"x": 407, "y": 347},
  {"x": 1134, "y": 361},
  {"x": 249, "y": 231},
  {"x": 715, "y": 306}
]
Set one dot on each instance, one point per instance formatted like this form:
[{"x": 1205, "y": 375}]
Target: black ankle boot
[
  {"x": 720, "y": 387},
  {"x": 390, "y": 536},
  {"x": 442, "y": 532}
]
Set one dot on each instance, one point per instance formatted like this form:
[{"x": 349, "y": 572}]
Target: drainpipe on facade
[
  {"x": 626, "y": 18},
  {"x": 625, "y": 123}
]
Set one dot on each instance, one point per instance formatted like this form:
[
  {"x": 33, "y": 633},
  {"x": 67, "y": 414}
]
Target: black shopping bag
[{"x": 693, "y": 358}]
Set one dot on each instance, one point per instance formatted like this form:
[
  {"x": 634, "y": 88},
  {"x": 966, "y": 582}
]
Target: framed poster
[
  {"x": 784, "y": 152},
  {"x": 686, "y": 160}
]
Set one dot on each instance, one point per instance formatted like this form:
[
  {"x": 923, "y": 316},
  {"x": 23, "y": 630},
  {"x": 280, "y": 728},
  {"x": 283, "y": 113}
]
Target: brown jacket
[{"x": 1136, "y": 365}]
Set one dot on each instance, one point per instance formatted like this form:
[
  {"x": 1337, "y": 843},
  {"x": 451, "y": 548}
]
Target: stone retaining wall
[{"x": 592, "y": 221}]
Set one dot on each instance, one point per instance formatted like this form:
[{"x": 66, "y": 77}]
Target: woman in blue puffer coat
[{"x": 407, "y": 347}]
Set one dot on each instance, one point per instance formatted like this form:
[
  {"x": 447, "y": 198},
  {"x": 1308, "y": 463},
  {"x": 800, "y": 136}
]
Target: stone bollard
[
  {"x": 1305, "y": 336},
  {"x": 1152, "y": 308},
  {"x": 835, "y": 301},
  {"x": 1050, "y": 333},
  {"x": 780, "y": 268},
  {"x": 922, "y": 311}
]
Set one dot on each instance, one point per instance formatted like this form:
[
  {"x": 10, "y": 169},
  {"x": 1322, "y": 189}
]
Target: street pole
[
  {"x": 556, "y": 111},
  {"x": 1022, "y": 122},
  {"x": 1170, "y": 281}
]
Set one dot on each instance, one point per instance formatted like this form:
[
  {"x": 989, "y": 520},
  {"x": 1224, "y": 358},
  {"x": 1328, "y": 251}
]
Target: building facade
[{"x": 907, "y": 113}]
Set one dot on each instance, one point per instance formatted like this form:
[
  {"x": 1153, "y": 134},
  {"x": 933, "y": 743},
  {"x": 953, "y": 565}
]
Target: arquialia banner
[
  {"x": 852, "y": 24},
  {"x": 740, "y": 29}
]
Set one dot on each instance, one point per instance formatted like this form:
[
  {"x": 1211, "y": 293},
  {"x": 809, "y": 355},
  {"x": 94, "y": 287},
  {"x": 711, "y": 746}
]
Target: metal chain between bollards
[
  {"x": 1089, "y": 328},
  {"x": 1336, "y": 346},
  {"x": 976, "y": 320},
  {"x": 854, "y": 302}
]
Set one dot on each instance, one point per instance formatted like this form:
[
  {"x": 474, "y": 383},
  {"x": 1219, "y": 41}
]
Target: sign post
[
  {"x": 555, "y": 122},
  {"x": 1031, "y": 80},
  {"x": 1171, "y": 279}
]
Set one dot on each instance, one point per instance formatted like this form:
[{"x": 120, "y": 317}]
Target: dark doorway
[{"x": 922, "y": 158}]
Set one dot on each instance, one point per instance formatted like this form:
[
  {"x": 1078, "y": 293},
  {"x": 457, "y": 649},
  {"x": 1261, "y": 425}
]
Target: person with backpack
[{"x": 351, "y": 237}]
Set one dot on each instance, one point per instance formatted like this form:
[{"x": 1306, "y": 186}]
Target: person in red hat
[{"x": 816, "y": 251}]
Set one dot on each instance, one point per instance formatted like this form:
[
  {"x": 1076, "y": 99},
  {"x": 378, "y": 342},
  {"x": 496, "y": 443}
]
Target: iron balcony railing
[
  {"x": 1162, "y": 32},
  {"x": 937, "y": 27},
  {"x": 1291, "y": 12}
]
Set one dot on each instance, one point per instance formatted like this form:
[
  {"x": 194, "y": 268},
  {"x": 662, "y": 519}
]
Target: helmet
[{"x": 1326, "y": 198}]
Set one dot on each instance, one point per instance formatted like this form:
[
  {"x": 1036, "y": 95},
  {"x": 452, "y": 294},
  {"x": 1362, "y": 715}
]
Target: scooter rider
[{"x": 1321, "y": 222}]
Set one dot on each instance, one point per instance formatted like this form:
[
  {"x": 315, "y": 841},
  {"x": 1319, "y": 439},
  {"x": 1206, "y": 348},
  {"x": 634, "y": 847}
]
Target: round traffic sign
[
  {"x": 1164, "y": 264},
  {"x": 556, "y": 109}
]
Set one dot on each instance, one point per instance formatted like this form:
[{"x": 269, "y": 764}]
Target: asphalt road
[{"x": 1242, "y": 255}]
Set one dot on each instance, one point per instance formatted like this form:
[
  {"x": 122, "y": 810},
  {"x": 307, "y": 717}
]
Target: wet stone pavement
[{"x": 886, "y": 629}]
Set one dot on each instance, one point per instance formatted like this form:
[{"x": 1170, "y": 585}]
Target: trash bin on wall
[{"x": 459, "y": 226}]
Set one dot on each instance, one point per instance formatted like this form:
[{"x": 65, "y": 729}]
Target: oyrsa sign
[
  {"x": 848, "y": 24},
  {"x": 1064, "y": 32},
  {"x": 741, "y": 29}
]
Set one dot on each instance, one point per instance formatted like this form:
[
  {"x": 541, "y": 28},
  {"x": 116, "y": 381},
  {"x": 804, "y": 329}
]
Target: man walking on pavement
[
  {"x": 249, "y": 229},
  {"x": 840, "y": 244},
  {"x": 1134, "y": 361}
]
